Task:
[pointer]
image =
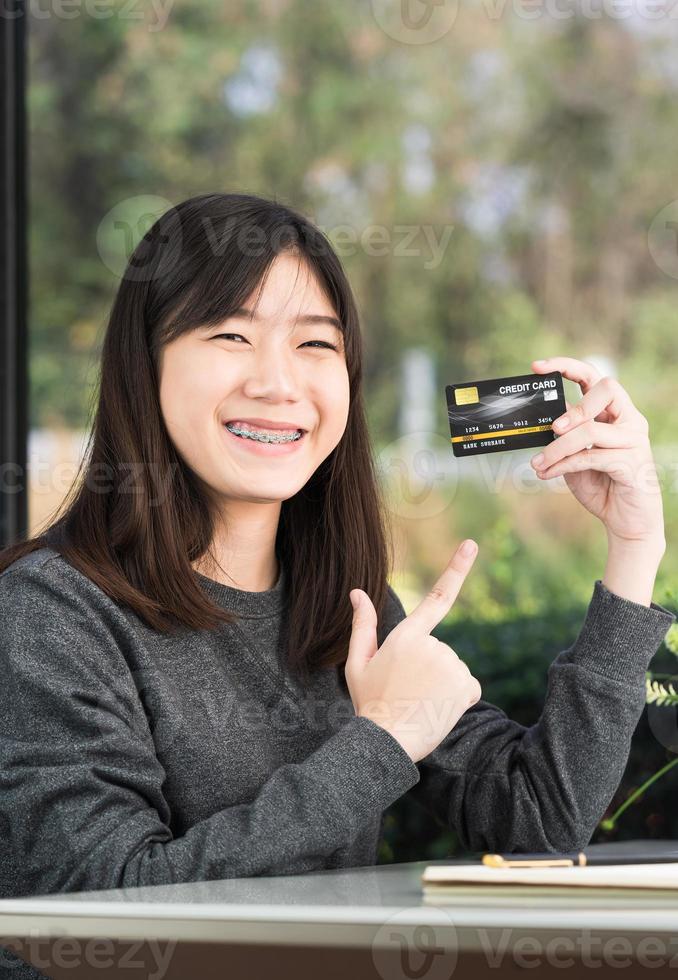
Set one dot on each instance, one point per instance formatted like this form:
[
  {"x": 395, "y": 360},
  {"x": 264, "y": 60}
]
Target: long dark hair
[{"x": 191, "y": 269}]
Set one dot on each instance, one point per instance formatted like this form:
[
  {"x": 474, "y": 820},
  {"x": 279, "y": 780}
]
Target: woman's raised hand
[
  {"x": 603, "y": 452},
  {"x": 413, "y": 685}
]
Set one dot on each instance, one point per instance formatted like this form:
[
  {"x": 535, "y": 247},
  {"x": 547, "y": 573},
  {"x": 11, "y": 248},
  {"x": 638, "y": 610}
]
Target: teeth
[{"x": 263, "y": 436}]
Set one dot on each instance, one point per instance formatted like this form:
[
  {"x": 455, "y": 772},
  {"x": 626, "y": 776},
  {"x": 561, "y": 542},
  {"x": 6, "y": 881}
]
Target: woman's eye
[{"x": 323, "y": 343}]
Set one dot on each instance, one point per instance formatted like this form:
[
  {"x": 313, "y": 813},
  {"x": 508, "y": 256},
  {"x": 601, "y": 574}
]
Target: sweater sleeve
[
  {"x": 506, "y": 787},
  {"x": 81, "y": 787}
]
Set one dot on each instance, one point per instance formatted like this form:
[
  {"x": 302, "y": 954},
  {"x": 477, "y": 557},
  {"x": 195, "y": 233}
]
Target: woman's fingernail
[
  {"x": 540, "y": 361},
  {"x": 538, "y": 460},
  {"x": 562, "y": 422},
  {"x": 468, "y": 548}
]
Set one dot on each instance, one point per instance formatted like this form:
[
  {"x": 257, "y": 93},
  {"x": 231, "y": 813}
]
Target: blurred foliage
[
  {"x": 539, "y": 552},
  {"x": 526, "y": 156}
]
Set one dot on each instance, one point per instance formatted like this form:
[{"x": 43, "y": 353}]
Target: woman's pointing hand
[{"x": 413, "y": 685}]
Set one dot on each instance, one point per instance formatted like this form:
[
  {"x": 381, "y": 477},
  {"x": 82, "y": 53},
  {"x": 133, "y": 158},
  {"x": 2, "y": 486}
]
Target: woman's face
[{"x": 277, "y": 369}]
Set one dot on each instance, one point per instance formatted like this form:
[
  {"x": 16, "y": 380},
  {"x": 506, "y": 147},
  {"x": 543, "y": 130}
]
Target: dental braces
[{"x": 263, "y": 437}]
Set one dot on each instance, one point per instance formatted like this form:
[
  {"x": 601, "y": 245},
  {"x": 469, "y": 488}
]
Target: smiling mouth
[{"x": 265, "y": 437}]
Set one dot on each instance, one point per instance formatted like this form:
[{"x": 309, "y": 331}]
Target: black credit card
[{"x": 504, "y": 413}]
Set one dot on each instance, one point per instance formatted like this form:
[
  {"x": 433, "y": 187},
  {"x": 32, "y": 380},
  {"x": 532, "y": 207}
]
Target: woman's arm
[
  {"x": 83, "y": 801},
  {"x": 631, "y": 569},
  {"x": 503, "y": 786}
]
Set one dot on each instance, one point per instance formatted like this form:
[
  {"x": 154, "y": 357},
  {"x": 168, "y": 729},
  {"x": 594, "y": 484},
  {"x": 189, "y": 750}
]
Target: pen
[{"x": 574, "y": 859}]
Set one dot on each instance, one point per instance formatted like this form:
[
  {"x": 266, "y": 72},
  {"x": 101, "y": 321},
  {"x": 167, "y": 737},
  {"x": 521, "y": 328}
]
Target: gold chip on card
[{"x": 466, "y": 396}]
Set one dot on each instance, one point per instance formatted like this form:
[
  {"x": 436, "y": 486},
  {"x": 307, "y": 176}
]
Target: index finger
[
  {"x": 439, "y": 600},
  {"x": 607, "y": 400},
  {"x": 585, "y": 374}
]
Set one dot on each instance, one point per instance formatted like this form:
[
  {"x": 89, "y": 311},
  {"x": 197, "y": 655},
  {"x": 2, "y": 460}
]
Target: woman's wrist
[{"x": 631, "y": 568}]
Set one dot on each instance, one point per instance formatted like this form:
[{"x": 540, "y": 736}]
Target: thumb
[{"x": 363, "y": 642}]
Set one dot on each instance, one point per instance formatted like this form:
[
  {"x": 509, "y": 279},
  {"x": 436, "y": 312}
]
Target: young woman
[{"x": 187, "y": 693}]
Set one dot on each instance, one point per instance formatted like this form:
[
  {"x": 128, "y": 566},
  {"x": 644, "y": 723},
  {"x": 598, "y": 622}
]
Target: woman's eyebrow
[{"x": 308, "y": 318}]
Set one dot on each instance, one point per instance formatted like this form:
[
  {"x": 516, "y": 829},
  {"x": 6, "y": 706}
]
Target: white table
[{"x": 374, "y": 921}]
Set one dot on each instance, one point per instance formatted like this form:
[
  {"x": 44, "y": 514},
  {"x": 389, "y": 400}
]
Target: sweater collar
[{"x": 248, "y": 605}]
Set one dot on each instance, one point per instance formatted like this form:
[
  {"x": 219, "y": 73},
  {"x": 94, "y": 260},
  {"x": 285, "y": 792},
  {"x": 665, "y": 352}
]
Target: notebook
[
  {"x": 439, "y": 879},
  {"x": 658, "y": 872}
]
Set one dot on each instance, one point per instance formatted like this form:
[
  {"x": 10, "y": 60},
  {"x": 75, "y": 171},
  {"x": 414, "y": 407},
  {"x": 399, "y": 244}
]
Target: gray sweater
[{"x": 131, "y": 757}]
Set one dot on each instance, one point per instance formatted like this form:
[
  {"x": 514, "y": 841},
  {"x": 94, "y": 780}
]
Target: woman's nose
[{"x": 272, "y": 374}]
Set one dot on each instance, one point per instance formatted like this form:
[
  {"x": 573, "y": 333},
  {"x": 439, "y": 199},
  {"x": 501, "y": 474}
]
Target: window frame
[{"x": 13, "y": 279}]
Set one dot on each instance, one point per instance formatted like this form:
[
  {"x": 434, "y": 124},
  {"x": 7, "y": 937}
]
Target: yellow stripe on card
[{"x": 500, "y": 432}]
